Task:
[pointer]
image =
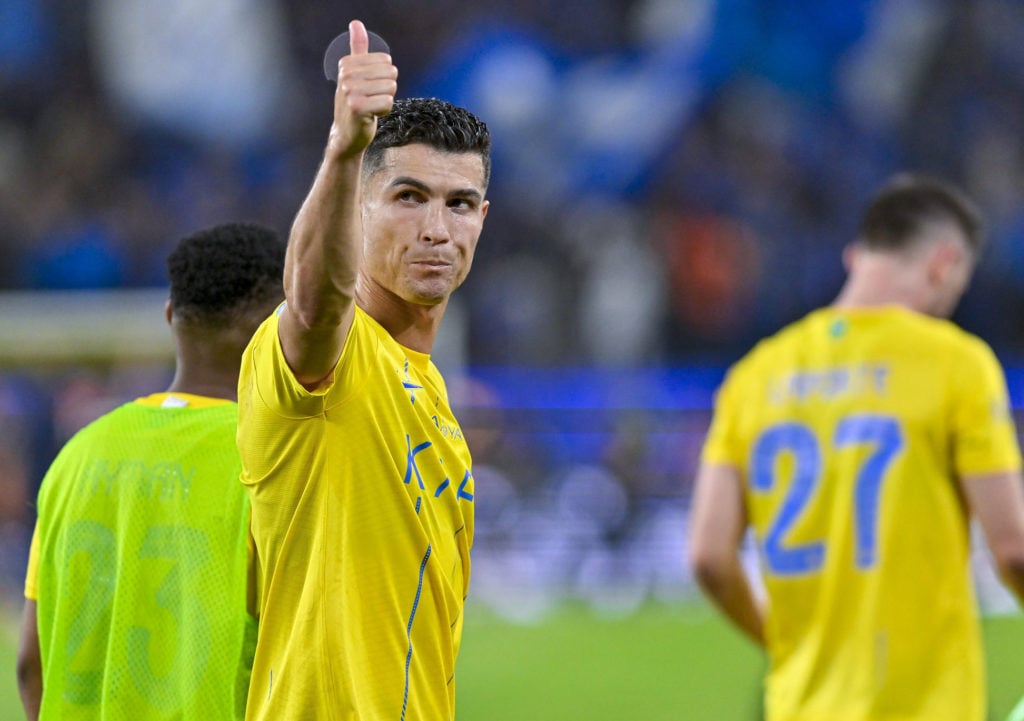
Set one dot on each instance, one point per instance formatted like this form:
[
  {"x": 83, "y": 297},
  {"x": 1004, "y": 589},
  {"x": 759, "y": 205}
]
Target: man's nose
[{"x": 435, "y": 229}]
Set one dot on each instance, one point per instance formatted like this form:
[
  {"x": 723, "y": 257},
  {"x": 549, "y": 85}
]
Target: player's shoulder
[
  {"x": 363, "y": 324},
  {"x": 110, "y": 419},
  {"x": 782, "y": 342},
  {"x": 938, "y": 329},
  {"x": 266, "y": 331},
  {"x": 945, "y": 337},
  {"x": 828, "y": 323},
  {"x": 754, "y": 365},
  {"x": 83, "y": 441}
]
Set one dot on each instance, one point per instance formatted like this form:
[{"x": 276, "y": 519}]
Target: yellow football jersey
[
  {"x": 362, "y": 515},
  {"x": 850, "y": 429}
]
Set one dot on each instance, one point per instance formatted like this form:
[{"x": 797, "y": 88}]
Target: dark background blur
[{"x": 673, "y": 179}]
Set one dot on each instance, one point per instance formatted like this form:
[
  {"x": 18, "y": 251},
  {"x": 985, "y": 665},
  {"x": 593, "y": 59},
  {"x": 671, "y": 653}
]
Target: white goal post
[{"x": 46, "y": 328}]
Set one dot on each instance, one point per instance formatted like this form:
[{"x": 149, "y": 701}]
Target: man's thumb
[{"x": 359, "y": 41}]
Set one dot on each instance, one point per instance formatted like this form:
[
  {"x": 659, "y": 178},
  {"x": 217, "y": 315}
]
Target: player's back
[
  {"x": 853, "y": 426},
  {"x": 141, "y": 567}
]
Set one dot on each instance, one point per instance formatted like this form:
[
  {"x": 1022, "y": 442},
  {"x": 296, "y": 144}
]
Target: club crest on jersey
[{"x": 407, "y": 383}]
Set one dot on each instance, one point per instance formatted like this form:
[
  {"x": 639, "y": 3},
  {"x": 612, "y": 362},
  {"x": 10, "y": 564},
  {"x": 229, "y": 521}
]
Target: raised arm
[{"x": 325, "y": 244}]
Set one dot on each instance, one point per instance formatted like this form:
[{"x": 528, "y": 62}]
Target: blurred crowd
[
  {"x": 672, "y": 180},
  {"x": 672, "y": 177}
]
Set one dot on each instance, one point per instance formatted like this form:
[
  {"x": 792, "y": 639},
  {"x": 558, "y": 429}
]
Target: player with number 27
[{"x": 857, "y": 443}]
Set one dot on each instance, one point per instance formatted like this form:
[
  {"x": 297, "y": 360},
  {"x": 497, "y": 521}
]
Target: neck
[
  {"x": 204, "y": 384},
  {"x": 207, "y": 368},
  {"x": 875, "y": 283},
  {"x": 410, "y": 324}
]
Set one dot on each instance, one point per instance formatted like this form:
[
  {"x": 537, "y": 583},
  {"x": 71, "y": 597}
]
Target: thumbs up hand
[{"x": 367, "y": 83}]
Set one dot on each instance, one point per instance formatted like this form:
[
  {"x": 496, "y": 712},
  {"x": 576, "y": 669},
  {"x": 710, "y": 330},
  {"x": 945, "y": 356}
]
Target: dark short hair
[
  {"x": 899, "y": 212},
  {"x": 220, "y": 273},
  {"x": 432, "y": 122}
]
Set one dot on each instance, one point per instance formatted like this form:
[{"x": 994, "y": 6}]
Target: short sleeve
[
  {"x": 270, "y": 378},
  {"x": 267, "y": 376},
  {"x": 984, "y": 435},
  {"x": 722, "y": 445}
]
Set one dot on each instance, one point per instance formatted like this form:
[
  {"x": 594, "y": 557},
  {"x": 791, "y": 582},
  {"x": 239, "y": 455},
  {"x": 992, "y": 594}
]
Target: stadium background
[{"x": 672, "y": 180}]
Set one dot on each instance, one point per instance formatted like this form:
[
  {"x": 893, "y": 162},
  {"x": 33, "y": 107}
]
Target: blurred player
[
  {"x": 359, "y": 474},
  {"x": 137, "y": 581},
  {"x": 856, "y": 443}
]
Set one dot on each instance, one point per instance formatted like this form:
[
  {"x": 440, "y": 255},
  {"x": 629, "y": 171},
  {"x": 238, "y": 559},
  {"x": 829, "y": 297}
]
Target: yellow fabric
[
  {"x": 32, "y": 571},
  {"x": 362, "y": 515},
  {"x": 180, "y": 400},
  {"x": 850, "y": 429}
]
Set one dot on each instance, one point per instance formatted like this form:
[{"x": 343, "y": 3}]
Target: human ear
[
  {"x": 941, "y": 261},
  {"x": 849, "y": 256}
]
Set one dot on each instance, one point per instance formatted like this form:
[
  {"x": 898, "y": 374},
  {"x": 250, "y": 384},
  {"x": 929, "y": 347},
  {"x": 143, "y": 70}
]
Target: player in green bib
[{"x": 137, "y": 585}]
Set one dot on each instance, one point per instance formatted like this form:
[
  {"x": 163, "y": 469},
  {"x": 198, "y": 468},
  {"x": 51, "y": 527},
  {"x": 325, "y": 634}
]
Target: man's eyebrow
[
  {"x": 424, "y": 188},
  {"x": 405, "y": 180}
]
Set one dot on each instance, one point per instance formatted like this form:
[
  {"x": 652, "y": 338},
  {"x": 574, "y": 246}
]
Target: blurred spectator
[
  {"x": 26, "y": 43},
  {"x": 772, "y": 117},
  {"x": 219, "y": 72},
  {"x": 714, "y": 266}
]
